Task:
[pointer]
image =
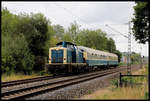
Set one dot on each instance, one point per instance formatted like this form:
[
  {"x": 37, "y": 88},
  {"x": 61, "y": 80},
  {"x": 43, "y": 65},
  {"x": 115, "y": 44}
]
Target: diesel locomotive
[{"x": 66, "y": 57}]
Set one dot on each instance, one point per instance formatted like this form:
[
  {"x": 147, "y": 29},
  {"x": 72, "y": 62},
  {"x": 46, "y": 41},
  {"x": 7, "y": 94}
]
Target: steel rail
[{"x": 17, "y": 82}]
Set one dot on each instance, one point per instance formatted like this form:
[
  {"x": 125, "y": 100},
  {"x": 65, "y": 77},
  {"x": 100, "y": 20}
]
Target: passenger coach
[{"x": 99, "y": 58}]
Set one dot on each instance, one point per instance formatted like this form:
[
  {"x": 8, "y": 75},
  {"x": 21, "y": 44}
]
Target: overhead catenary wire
[
  {"x": 129, "y": 45},
  {"x": 69, "y": 12},
  {"x": 84, "y": 21},
  {"x": 117, "y": 31},
  {"x": 77, "y": 17}
]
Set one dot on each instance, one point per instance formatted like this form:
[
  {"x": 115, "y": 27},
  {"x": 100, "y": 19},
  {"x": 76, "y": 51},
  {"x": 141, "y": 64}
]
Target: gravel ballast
[{"x": 78, "y": 90}]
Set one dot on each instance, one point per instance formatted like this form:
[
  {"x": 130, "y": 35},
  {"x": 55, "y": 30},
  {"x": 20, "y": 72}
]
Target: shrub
[
  {"x": 146, "y": 96},
  {"x": 42, "y": 72},
  {"x": 115, "y": 82}
]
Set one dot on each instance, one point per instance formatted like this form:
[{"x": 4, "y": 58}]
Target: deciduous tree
[{"x": 141, "y": 22}]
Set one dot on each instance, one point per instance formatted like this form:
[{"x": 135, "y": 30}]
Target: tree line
[{"x": 26, "y": 39}]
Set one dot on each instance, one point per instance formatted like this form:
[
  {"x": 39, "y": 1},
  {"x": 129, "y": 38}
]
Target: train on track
[{"x": 66, "y": 57}]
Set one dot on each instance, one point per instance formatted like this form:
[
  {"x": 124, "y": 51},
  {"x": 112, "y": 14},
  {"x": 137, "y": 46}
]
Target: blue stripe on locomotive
[{"x": 101, "y": 62}]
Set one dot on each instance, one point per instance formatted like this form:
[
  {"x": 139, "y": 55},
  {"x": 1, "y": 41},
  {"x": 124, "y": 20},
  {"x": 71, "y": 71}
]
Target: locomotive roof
[
  {"x": 65, "y": 42},
  {"x": 94, "y": 51}
]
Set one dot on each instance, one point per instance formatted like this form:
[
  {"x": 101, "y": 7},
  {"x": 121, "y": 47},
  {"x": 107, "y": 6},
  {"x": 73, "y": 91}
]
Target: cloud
[{"x": 101, "y": 12}]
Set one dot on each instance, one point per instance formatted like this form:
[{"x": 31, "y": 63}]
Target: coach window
[{"x": 92, "y": 55}]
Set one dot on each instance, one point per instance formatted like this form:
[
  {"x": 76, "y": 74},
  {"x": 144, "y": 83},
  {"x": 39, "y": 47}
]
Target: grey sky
[{"x": 92, "y": 15}]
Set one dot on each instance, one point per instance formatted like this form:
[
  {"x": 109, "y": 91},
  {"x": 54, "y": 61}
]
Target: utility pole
[
  {"x": 141, "y": 57},
  {"x": 129, "y": 50}
]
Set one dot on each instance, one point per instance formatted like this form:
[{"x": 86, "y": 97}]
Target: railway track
[
  {"x": 17, "y": 82},
  {"x": 53, "y": 85}
]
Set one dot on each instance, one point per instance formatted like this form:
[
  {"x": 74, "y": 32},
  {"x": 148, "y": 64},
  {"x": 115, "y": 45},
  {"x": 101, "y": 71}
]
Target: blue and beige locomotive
[{"x": 66, "y": 57}]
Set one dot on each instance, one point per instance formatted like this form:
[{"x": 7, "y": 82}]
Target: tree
[
  {"x": 59, "y": 31},
  {"x": 16, "y": 55},
  {"x": 95, "y": 39},
  {"x": 118, "y": 53},
  {"x": 111, "y": 47},
  {"x": 135, "y": 58},
  {"x": 21, "y": 35},
  {"x": 141, "y": 22},
  {"x": 73, "y": 30},
  {"x": 67, "y": 37}
]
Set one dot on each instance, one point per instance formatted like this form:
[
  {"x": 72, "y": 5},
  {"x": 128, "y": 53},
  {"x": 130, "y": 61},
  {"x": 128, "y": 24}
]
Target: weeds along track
[
  {"x": 25, "y": 92},
  {"x": 36, "y": 88}
]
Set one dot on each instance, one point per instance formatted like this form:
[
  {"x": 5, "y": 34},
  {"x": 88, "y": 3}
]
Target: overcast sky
[{"x": 91, "y": 15}]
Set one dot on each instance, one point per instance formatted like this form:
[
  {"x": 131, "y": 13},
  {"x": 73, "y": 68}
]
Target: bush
[
  {"x": 115, "y": 82},
  {"x": 146, "y": 96},
  {"x": 42, "y": 72},
  {"x": 16, "y": 56},
  {"x": 8, "y": 64}
]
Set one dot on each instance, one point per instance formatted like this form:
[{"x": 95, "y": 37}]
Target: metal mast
[{"x": 129, "y": 50}]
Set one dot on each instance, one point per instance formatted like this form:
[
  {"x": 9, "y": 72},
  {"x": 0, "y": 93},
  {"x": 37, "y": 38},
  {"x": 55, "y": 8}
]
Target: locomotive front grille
[{"x": 57, "y": 56}]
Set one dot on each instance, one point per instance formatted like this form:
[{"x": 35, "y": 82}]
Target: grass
[
  {"x": 118, "y": 93},
  {"x": 137, "y": 92},
  {"x": 122, "y": 64},
  {"x": 11, "y": 77},
  {"x": 123, "y": 93}
]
